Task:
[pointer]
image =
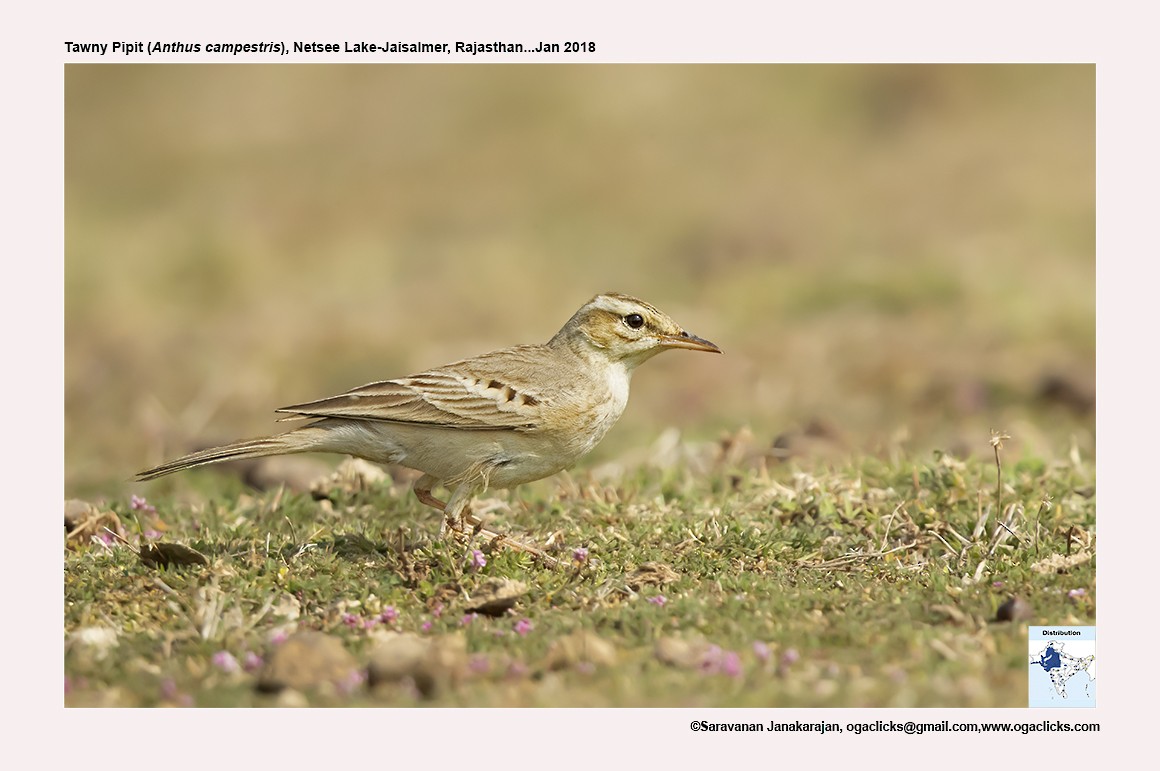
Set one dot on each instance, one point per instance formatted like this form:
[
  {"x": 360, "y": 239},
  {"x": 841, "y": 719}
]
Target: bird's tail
[{"x": 305, "y": 439}]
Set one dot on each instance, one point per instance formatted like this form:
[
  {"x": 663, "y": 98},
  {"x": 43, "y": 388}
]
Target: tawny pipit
[{"x": 496, "y": 420}]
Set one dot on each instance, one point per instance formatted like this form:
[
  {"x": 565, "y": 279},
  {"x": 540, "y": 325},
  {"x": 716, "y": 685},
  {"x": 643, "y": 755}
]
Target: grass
[{"x": 871, "y": 583}]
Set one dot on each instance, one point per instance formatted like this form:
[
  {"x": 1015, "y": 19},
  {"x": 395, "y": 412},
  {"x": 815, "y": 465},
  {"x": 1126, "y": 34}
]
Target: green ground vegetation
[{"x": 720, "y": 578}]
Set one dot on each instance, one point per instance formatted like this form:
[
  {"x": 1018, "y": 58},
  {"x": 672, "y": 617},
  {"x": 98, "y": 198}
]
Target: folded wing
[{"x": 450, "y": 397}]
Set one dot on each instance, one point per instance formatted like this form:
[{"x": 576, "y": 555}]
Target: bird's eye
[{"x": 634, "y": 320}]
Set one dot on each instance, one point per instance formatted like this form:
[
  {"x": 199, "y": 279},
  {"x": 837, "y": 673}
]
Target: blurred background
[{"x": 891, "y": 257}]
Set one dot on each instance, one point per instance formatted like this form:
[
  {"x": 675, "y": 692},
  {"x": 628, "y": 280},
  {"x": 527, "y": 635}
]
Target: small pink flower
[
  {"x": 580, "y": 554},
  {"x": 426, "y": 626},
  {"x": 351, "y": 682},
  {"x": 251, "y": 662},
  {"x": 479, "y": 664},
  {"x": 437, "y": 611},
  {"x": 715, "y": 661},
  {"x": 1076, "y": 593},
  {"x": 997, "y": 584},
  {"x": 279, "y": 637},
  {"x": 523, "y": 626},
  {"x": 711, "y": 659},
  {"x": 137, "y": 503},
  {"x": 352, "y": 621},
  {"x": 389, "y": 614},
  {"x": 225, "y": 661},
  {"x": 466, "y": 620},
  {"x": 790, "y": 656},
  {"x": 761, "y": 651},
  {"x": 477, "y": 559},
  {"x": 517, "y": 669},
  {"x": 151, "y": 534},
  {"x": 659, "y": 600}
]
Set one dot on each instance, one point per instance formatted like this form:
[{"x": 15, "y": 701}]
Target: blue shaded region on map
[
  {"x": 1061, "y": 666},
  {"x": 1050, "y": 659}
]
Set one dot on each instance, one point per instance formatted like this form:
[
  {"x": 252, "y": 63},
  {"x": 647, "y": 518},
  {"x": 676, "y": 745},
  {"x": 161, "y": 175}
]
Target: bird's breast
[{"x": 585, "y": 415}]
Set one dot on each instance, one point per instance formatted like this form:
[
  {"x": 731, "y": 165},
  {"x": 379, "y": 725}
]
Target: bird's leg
[
  {"x": 456, "y": 521},
  {"x": 456, "y": 504},
  {"x": 422, "y": 489},
  {"x": 498, "y": 539}
]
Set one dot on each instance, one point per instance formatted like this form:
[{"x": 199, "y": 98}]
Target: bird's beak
[{"x": 692, "y": 342}]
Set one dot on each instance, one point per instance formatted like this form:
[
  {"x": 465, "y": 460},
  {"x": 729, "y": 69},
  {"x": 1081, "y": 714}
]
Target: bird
[{"x": 497, "y": 420}]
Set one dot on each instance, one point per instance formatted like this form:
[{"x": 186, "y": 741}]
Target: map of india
[
  {"x": 1069, "y": 665},
  {"x": 1060, "y": 667}
]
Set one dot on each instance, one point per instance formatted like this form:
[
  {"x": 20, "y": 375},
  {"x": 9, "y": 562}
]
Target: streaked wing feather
[{"x": 444, "y": 397}]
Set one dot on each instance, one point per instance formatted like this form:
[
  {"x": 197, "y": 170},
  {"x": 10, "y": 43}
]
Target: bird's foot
[{"x": 471, "y": 529}]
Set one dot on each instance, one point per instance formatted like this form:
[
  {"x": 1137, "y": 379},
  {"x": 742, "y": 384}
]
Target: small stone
[
  {"x": 77, "y": 511},
  {"x": 162, "y": 554},
  {"x": 446, "y": 662},
  {"x": 1059, "y": 563},
  {"x": 680, "y": 653},
  {"x": 1014, "y": 609},
  {"x": 308, "y": 661},
  {"x": 83, "y": 520},
  {"x": 292, "y": 699},
  {"x": 353, "y": 475},
  {"x": 398, "y": 655},
  {"x": 95, "y": 641},
  {"x": 580, "y": 648},
  {"x": 651, "y": 574},
  {"x": 496, "y": 596},
  {"x": 430, "y": 663}
]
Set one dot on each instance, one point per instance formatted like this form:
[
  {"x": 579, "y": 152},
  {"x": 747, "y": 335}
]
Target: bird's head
[{"x": 626, "y": 329}]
